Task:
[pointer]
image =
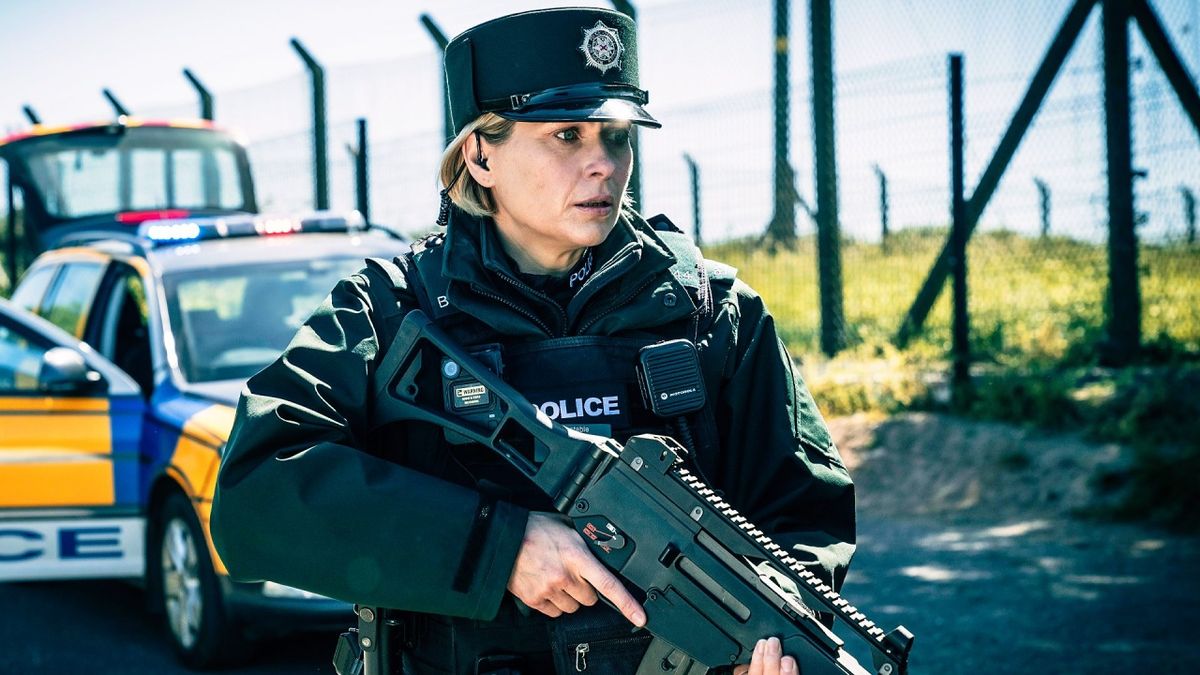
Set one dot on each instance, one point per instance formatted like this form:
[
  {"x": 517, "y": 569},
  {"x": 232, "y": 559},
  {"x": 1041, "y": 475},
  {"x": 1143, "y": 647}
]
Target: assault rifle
[{"x": 714, "y": 583}]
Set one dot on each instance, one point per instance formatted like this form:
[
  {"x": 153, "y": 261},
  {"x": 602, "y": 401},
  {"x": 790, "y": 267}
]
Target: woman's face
[{"x": 557, "y": 186}]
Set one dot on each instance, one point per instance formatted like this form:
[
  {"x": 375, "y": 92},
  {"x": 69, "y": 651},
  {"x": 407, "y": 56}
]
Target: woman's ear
[{"x": 473, "y": 155}]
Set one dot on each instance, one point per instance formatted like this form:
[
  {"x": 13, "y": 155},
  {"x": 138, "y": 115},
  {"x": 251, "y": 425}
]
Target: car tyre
[{"x": 188, "y": 592}]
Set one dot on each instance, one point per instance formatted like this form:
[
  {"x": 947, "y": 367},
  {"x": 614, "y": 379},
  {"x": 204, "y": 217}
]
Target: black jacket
[{"x": 308, "y": 498}]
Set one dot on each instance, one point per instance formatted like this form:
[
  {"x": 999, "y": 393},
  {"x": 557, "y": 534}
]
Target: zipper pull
[{"x": 581, "y": 651}]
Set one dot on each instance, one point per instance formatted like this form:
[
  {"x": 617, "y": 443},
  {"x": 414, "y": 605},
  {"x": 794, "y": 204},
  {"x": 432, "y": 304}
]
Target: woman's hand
[
  {"x": 768, "y": 659},
  {"x": 556, "y": 574}
]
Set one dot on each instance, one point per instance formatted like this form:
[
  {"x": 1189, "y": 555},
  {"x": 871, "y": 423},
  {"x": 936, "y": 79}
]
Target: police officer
[{"x": 547, "y": 269}]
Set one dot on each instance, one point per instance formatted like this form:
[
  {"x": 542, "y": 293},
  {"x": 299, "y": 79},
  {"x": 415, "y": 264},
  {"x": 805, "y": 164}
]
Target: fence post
[
  {"x": 115, "y": 103},
  {"x": 320, "y": 149},
  {"x": 961, "y": 344},
  {"x": 206, "y": 99},
  {"x": 635, "y": 173},
  {"x": 361, "y": 176},
  {"x": 694, "y": 172},
  {"x": 124, "y": 163},
  {"x": 1043, "y": 189},
  {"x": 782, "y": 228},
  {"x": 829, "y": 252},
  {"x": 440, "y": 38},
  {"x": 883, "y": 207},
  {"x": 1124, "y": 301},
  {"x": 208, "y": 163},
  {"x": 31, "y": 115},
  {"x": 1022, "y": 118},
  {"x": 1189, "y": 213}
]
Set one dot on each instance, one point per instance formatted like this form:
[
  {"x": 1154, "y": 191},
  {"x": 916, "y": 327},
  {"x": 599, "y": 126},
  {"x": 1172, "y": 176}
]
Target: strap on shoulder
[{"x": 424, "y": 273}]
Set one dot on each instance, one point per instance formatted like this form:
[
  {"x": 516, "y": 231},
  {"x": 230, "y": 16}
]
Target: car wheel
[{"x": 189, "y": 592}]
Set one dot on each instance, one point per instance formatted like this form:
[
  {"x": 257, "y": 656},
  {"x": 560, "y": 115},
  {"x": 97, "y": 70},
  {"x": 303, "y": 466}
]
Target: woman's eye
[
  {"x": 617, "y": 137},
  {"x": 569, "y": 135}
]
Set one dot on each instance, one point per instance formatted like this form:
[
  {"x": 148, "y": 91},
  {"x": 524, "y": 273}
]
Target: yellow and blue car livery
[
  {"x": 69, "y": 462},
  {"x": 121, "y": 360}
]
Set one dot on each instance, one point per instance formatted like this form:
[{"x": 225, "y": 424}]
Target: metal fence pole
[
  {"x": 320, "y": 143},
  {"x": 782, "y": 228},
  {"x": 206, "y": 99},
  {"x": 361, "y": 177},
  {"x": 440, "y": 38},
  {"x": 31, "y": 115},
  {"x": 635, "y": 174},
  {"x": 124, "y": 162},
  {"x": 115, "y": 103},
  {"x": 1189, "y": 213},
  {"x": 1043, "y": 189},
  {"x": 883, "y": 207},
  {"x": 1124, "y": 301},
  {"x": 212, "y": 177},
  {"x": 694, "y": 172},
  {"x": 1022, "y": 118},
  {"x": 829, "y": 252},
  {"x": 958, "y": 231}
]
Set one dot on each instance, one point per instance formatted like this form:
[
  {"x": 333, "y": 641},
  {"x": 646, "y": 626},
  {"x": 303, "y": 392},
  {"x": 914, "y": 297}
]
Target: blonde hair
[
  {"x": 469, "y": 195},
  {"x": 466, "y": 193}
]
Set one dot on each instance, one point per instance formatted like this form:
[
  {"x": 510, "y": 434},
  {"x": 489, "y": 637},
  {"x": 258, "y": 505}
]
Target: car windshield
[
  {"x": 230, "y": 321},
  {"x": 80, "y": 175}
]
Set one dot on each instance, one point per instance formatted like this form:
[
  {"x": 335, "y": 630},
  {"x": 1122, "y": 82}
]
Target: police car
[{"x": 123, "y": 350}]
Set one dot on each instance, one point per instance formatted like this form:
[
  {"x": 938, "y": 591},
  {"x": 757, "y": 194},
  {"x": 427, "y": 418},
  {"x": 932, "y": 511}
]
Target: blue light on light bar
[
  {"x": 167, "y": 232},
  {"x": 172, "y": 231}
]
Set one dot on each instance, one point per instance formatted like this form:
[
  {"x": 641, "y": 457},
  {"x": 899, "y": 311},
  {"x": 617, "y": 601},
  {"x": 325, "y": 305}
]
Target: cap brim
[{"x": 596, "y": 110}]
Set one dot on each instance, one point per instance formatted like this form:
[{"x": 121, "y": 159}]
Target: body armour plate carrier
[{"x": 586, "y": 382}]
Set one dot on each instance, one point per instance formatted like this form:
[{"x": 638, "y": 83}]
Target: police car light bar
[{"x": 177, "y": 231}]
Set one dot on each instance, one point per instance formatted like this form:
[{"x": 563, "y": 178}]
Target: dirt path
[{"x": 977, "y": 555}]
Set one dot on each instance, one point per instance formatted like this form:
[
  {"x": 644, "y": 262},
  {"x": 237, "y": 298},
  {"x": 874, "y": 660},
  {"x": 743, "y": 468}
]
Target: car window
[
  {"x": 89, "y": 181},
  {"x": 229, "y": 322},
  {"x": 71, "y": 297},
  {"x": 125, "y": 336},
  {"x": 32, "y": 288},
  {"x": 20, "y": 362},
  {"x": 149, "y": 179},
  {"x": 141, "y": 167}
]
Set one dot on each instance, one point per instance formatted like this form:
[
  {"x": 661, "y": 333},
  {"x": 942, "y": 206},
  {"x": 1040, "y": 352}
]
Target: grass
[
  {"x": 1037, "y": 321},
  {"x": 1032, "y": 301}
]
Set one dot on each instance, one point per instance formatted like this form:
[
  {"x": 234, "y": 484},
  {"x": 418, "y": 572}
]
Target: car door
[{"x": 69, "y": 429}]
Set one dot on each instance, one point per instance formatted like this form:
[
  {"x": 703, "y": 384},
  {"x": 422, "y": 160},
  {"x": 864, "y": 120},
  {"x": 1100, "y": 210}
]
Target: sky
[{"x": 707, "y": 64}]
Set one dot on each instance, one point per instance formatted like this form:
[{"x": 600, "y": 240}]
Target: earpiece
[{"x": 480, "y": 159}]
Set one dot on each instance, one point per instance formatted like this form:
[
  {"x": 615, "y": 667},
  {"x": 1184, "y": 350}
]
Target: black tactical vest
[{"x": 586, "y": 382}]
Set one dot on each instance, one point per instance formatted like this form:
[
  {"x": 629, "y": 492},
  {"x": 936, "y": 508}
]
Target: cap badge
[{"x": 602, "y": 47}]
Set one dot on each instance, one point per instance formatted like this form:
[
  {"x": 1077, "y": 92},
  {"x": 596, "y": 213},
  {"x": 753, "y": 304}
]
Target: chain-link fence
[{"x": 1037, "y": 260}]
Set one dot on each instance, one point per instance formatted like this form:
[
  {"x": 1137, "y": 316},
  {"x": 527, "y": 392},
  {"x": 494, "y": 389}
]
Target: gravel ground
[{"x": 966, "y": 538}]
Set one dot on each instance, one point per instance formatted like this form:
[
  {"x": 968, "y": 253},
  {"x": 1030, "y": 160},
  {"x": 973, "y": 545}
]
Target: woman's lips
[{"x": 600, "y": 207}]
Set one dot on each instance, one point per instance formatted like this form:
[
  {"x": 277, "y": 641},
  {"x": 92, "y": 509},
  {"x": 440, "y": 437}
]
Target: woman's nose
[{"x": 601, "y": 160}]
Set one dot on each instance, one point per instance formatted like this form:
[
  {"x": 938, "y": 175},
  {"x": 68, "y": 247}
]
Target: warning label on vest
[{"x": 470, "y": 395}]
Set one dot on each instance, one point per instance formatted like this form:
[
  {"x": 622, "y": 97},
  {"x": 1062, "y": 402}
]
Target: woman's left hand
[{"x": 768, "y": 659}]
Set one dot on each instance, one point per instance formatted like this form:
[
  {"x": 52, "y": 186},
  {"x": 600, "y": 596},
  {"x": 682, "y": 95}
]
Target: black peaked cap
[{"x": 547, "y": 65}]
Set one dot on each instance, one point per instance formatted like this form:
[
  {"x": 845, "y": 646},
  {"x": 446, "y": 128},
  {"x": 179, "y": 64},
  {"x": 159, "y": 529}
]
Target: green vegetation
[
  {"x": 1037, "y": 319},
  {"x": 1032, "y": 301}
]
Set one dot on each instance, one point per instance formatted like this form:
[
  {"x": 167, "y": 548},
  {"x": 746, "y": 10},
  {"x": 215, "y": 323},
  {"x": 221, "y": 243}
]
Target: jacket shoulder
[{"x": 691, "y": 267}]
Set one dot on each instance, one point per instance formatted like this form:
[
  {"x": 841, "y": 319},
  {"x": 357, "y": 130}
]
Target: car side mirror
[{"x": 65, "y": 372}]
